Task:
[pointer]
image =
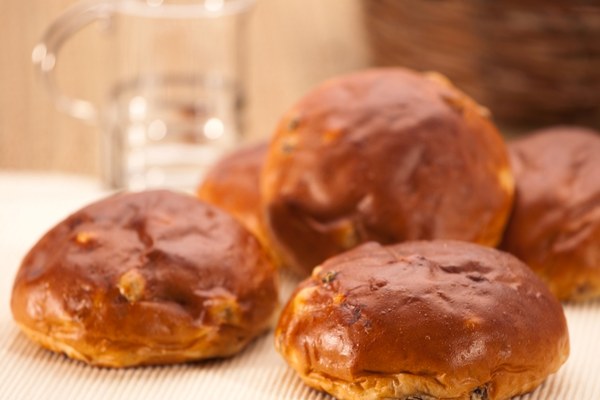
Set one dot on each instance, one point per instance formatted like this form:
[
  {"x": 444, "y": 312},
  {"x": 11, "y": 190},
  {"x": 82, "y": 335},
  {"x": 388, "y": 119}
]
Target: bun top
[
  {"x": 551, "y": 161},
  {"x": 462, "y": 313},
  {"x": 142, "y": 267},
  {"x": 387, "y": 155}
]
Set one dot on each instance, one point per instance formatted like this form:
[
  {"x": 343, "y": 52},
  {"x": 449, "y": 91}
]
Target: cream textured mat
[{"x": 30, "y": 204}]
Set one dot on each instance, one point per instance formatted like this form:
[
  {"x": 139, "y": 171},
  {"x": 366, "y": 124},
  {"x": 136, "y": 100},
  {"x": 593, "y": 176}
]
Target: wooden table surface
[{"x": 294, "y": 44}]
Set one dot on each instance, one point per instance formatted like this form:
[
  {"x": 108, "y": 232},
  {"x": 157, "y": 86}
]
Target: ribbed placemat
[{"x": 32, "y": 203}]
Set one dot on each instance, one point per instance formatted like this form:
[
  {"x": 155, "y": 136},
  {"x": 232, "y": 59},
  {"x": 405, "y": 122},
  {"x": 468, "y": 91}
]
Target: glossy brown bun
[
  {"x": 555, "y": 225},
  {"x": 423, "y": 320},
  {"x": 386, "y": 155},
  {"x": 233, "y": 185},
  {"x": 146, "y": 278}
]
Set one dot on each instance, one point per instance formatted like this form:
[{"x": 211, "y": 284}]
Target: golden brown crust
[
  {"x": 386, "y": 155},
  {"x": 233, "y": 185},
  {"x": 555, "y": 224},
  {"x": 439, "y": 319},
  {"x": 145, "y": 278}
]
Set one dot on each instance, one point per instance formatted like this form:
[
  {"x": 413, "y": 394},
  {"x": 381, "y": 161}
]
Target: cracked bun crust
[
  {"x": 145, "y": 278},
  {"x": 423, "y": 320},
  {"x": 555, "y": 224},
  {"x": 386, "y": 155},
  {"x": 233, "y": 184}
]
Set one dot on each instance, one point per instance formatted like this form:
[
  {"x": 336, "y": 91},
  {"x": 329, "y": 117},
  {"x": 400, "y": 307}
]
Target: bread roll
[
  {"x": 233, "y": 185},
  {"x": 145, "y": 278},
  {"x": 423, "y": 320},
  {"x": 555, "y": 224},
  {"x": 386, "y": 155}
]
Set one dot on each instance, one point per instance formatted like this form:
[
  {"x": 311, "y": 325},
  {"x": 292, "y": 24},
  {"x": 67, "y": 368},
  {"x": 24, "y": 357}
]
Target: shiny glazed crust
[
  {"x": 555, "y": 224},
  {"x": 387, "y": 155},
  {"x": 423, "y": 320},
  {"x": 233, "y": 185},
  {"x": 145, "y": 278}
]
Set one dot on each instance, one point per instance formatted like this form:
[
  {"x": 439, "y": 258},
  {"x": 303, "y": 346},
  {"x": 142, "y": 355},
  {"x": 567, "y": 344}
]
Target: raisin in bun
[
  {"x": 386, "y": 155},
  {"x": 233, "y": 184},
  {"x": 555, "y": 224},
  {"x": 423, "y": 320},
  {"x": 146, "y": 278}
]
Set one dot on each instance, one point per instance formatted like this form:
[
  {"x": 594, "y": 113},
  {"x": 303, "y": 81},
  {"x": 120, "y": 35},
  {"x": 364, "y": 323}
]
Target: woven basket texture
[{"x": 529, "y": 62}]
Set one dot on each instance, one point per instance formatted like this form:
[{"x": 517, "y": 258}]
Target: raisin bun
[
  {"x": 555, "y": 224},
  {"x": 423, "y": 320},
  {"x": 146, "y": 278},
  {"x": 233, "y": 185},
  {"x": 387, "y": 155}
]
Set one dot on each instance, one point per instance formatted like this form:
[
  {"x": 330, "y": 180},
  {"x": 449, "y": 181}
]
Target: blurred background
[
  {"x": 293, "y": 45},
  {"x": 532, "y": 66}
]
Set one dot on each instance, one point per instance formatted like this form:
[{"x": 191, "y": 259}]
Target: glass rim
[{"x": 198, "y": 9}]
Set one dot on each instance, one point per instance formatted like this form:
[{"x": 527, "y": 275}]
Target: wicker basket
[{"x": 535, "y": 63}]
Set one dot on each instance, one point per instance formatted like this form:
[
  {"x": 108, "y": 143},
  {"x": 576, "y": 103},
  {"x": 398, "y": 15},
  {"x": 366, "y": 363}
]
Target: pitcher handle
[{"x": 45, "y": 53}]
